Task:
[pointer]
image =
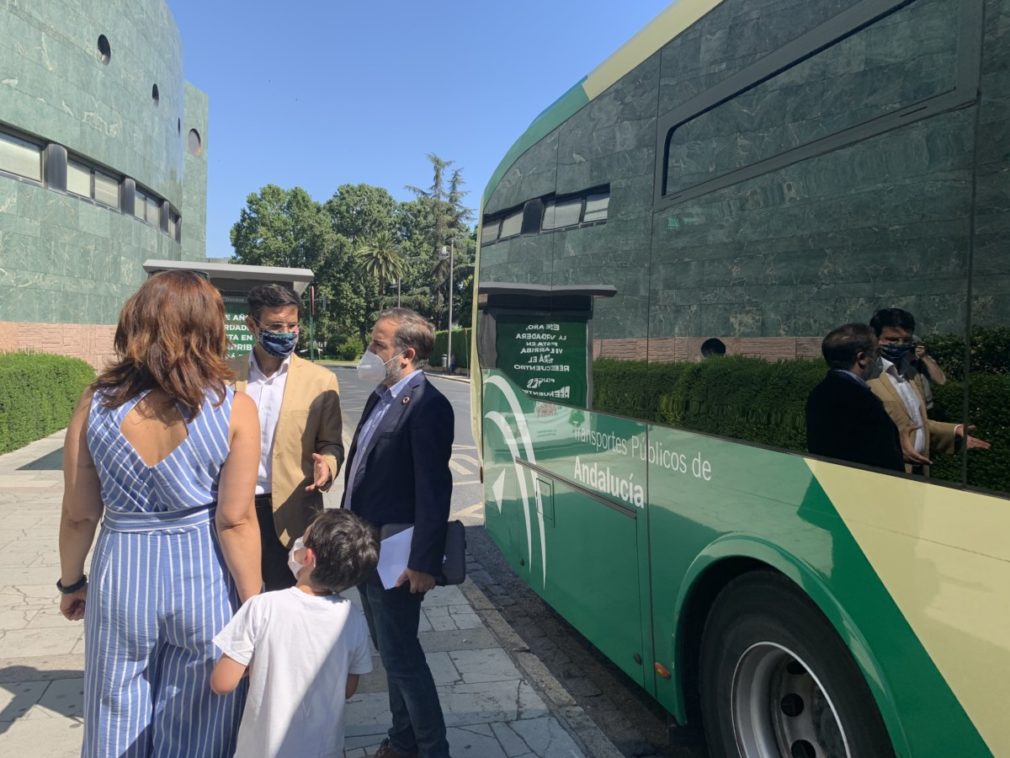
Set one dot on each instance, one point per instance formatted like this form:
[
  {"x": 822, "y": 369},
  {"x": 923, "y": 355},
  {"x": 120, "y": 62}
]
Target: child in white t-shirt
[{"x": 304, "y": 647}]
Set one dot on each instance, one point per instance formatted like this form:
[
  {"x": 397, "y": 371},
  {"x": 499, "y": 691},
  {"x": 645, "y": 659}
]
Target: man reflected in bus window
[
  {"x": 899, "y": 388},
  {"x": 927, "y": 369},
  {"x": 844, "y": 418}
]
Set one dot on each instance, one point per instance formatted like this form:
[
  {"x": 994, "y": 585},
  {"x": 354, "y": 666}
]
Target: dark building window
[
  {"x": 489, "y": 231},
  {"x": 547, "y": 214},
  {"x": 900, "y": 61},
  {"x": 155, "y": 96},
  {"x": 512, "y": 224},
  {"x": 104, "y": 50},
  {"x": 562, "y": 213},
  {"x": 195, "y": 143}
]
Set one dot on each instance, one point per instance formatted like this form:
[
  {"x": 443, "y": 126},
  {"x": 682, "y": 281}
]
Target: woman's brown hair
[{"x": 171, "y": 337}]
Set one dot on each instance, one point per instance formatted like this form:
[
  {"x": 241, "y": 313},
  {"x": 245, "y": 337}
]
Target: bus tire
[{"x": 776, "y": 679}]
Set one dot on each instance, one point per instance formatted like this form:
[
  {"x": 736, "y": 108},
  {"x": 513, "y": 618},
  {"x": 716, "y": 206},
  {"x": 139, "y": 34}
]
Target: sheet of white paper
[{"x": 393, "y": 555}]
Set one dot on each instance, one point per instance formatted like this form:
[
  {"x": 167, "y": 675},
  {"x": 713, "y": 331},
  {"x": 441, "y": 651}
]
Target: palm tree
[{"x": 380, "y": 257}]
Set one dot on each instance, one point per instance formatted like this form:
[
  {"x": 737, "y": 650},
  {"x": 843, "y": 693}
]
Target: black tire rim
[{"x": 780, "y": 707}]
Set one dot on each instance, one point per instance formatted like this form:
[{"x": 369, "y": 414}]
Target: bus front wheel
[{"x": 776, "y": 680}]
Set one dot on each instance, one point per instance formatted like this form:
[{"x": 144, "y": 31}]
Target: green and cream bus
[{"x": 747, "y": 175}]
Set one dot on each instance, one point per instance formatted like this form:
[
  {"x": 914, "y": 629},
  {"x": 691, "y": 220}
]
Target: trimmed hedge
[
  {"x": 744, "y": 398},
  {"x": 989, "y": 411},
  {"x": 753, "y": 400},
  {"x": 460, "y": 348},
  {"x": 38, "y": 393},
  {"x": 990, "y": 352}
]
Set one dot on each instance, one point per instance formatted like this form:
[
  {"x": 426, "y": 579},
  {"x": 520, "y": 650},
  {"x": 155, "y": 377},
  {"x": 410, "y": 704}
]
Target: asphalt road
[{"x": 623, "y": 711}]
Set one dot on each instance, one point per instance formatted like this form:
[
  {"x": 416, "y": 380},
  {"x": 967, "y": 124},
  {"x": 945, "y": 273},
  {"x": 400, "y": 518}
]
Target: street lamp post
[{"x": 448, "y": 340}]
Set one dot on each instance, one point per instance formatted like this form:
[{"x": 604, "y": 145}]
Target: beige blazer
[
  {"x": 309, "y": 422},
  {"x": 940, "y": 436}
]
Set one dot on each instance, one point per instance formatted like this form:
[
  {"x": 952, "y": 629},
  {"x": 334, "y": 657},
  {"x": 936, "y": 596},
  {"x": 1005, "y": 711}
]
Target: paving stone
[
  {"x": 61, "y": 738},
  {"x": 491, "y": 665},
  {"x": 48, "y": 641},
  {"x": 458, "y": 639},
  {"x": 477, "y": 741},
  {"x": 512, "y": 743},
  {"x": 17, "y": 618},
  {"x": 530, "y": 703},
  {"x": 423, "y": 625},
  {"x": 64, "y": 697},
  {"x": 546, "y": 737},
  {"x": 40, "y": 668},
  {"x": 442, "y": 623},
  {"x": 367, "y": 714},
  {"x": 444, "y": 596},
  {"x": 16, "y": 698},
  {"x": 443, "y": 669}
]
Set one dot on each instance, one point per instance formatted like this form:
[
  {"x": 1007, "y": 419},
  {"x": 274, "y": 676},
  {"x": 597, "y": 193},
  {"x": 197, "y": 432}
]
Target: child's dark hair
[{"x": 346, "y": 548}]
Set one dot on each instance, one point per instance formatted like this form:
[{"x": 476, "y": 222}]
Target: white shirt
[
  {"x": 268, "y": 394},
  {"x": 300, "y": 649},
  {"x": 912, "y": 402},
  {"x": 386, "y": 397}
]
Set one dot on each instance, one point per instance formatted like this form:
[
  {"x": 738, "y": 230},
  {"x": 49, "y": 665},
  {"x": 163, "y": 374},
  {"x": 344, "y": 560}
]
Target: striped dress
[{"x": 158, "y": 593}]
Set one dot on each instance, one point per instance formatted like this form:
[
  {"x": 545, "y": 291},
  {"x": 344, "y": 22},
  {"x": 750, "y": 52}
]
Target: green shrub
[
  {"x": 739, "y": 397},
  {"x": 460, "y": 348},
  {"x": 990, "y": 352},
  {"x": 348, "y": 349},
  {"x": 753, "y": 400},
  {"x": 633, "y": 388},
  {"x": 38, "y": 393},
  {"x": 989, "y": 412}
]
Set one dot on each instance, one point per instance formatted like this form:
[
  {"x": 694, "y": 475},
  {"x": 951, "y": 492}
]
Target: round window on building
[
  {"x": 154, "y": 94},
  {"x": 195, "y": 143},
  {"x": 104, "y": 49}
]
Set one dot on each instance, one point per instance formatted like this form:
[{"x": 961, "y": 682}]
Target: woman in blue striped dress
[{"x": 165, "y": 455}]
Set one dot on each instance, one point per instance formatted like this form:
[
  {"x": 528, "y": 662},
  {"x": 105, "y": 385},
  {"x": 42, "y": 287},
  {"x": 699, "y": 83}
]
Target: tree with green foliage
[
  {"x": 380, "y": 258},
  {"x": 367, "y": 251},
  {"x": 281, "y": 227},
  {"x": 443, "y": 222}
]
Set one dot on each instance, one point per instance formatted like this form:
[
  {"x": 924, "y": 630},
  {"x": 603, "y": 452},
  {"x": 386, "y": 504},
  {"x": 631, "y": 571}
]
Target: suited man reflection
[
  {"x": 398, "y": 472},
  {"x": 845, "y": 419}
]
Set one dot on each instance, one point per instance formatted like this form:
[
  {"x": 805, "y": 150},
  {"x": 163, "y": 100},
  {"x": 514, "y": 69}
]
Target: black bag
[{"x": 454, "y": 560}]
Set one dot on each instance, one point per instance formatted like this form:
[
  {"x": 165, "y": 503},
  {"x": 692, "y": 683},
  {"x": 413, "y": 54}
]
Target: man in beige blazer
[
  {"x": 903, "y": 398},
  {"x": 301, "y": 447}
]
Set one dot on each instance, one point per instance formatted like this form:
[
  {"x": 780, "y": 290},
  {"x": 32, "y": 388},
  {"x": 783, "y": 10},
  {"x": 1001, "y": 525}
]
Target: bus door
[{"x": 565, "y": 489}]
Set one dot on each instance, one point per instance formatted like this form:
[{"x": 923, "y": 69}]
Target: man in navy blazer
[
  {"x": 398, "y": 473},
  {"x": 845, "y": 419}
]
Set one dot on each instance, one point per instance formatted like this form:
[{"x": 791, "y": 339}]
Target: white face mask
[
  {"x": 373, "y": 369},
  {"x": 294, "y": 564}
]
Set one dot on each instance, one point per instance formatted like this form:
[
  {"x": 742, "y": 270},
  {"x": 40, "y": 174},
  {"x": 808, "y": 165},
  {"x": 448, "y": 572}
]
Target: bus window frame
[{"x": 831, "y": 32}]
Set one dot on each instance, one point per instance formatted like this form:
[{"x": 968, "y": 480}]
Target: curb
[
  {"x": 562, "y": 706},
  {"x": 450, "y": 377}
]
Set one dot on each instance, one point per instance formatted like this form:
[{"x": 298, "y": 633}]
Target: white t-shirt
[{"x": 300, "y": 649}]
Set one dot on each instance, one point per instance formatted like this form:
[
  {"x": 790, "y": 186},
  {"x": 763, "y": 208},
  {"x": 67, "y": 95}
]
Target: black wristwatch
[{"x": 75, "y": 587}]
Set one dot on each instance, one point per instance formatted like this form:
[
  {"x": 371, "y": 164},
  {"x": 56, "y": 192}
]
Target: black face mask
[{"x": 896, "y": 353}]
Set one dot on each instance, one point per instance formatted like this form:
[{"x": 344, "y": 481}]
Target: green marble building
[{"x": 103, "y": 165}]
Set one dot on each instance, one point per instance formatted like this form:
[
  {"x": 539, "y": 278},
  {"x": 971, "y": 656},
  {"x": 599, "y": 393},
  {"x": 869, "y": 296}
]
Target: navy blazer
[
  {"x": 846, "y": 420},
  {"x": 405, "y": 478}
]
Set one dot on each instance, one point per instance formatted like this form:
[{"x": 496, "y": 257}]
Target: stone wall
[{"x": 89, "y": 342}]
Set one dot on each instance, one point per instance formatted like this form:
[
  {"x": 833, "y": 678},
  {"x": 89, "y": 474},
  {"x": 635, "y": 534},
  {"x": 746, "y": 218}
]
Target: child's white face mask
[{"x": 293, "y": 563}]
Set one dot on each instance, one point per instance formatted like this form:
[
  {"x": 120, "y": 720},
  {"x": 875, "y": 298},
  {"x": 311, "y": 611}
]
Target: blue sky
[{"x": 319, "y": 93}]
